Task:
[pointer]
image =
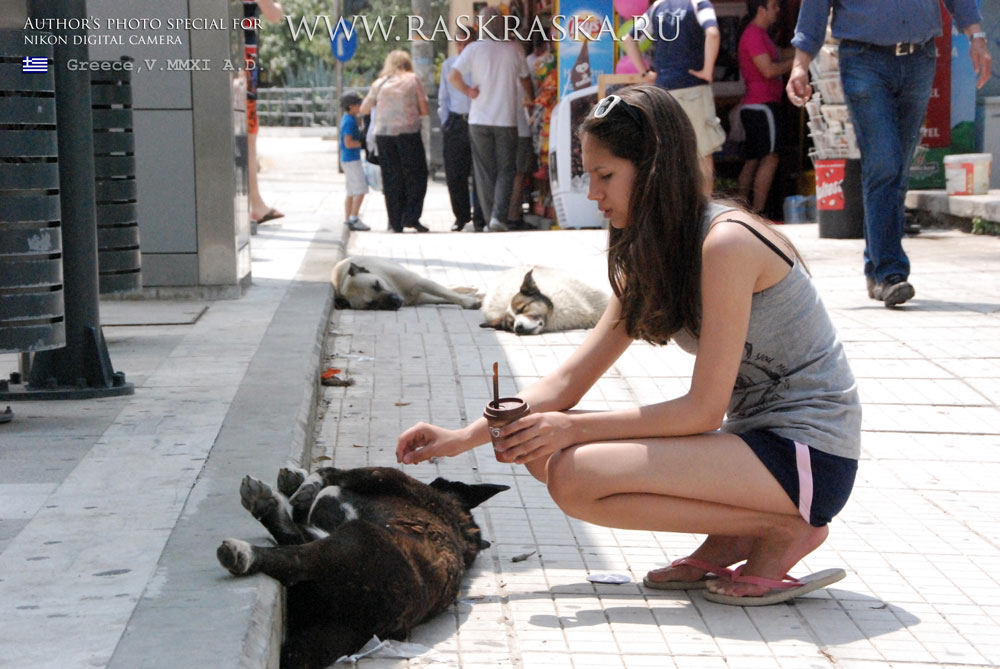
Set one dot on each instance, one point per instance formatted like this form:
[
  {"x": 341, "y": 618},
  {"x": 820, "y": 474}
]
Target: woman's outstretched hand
[
  {"x": 424, "y": 441},
  {"x": 534, "y": 436}
]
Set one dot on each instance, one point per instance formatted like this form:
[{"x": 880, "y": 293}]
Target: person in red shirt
[{"x": 762, "y": 66}]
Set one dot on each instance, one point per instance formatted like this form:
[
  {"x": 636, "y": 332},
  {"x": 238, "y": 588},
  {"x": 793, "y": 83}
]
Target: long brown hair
[{"x": 654, "y": 263}]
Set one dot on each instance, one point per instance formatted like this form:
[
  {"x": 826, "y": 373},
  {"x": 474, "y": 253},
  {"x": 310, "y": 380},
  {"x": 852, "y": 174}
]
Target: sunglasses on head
[{"x": 605, "y": 106}]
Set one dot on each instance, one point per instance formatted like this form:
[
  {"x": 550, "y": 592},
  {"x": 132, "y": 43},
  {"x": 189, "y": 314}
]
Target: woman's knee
[{"x": 564, "y": 485}]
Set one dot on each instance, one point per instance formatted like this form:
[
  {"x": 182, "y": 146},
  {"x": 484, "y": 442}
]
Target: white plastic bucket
[{"x": 967, "y": 173}]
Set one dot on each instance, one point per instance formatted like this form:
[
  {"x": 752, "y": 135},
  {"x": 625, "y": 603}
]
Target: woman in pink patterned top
[
  {"x": 762, "y": 67},
  {"x": 399, "y": 101}
]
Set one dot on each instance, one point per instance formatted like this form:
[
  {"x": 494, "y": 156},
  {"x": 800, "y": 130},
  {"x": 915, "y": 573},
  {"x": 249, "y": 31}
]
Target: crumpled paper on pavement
[{"x": 387, "y": 649}]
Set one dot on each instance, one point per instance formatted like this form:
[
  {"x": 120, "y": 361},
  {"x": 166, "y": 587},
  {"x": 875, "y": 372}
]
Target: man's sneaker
[
  {"x": 356, "y": 225},
  {"x": 497, "y": 226},
  {"x": 871, "y": 286},
  {"x": 894, "y": 290}
]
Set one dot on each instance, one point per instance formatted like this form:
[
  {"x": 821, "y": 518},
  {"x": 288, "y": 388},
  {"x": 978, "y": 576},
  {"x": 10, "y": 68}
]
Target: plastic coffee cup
[{"x": 500, "y": 412}]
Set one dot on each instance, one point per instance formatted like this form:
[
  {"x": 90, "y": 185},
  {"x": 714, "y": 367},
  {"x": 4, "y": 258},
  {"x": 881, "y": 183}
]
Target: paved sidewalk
[
  {"x": 110, "y": 510},
  {"x": 919, "y": 538}
]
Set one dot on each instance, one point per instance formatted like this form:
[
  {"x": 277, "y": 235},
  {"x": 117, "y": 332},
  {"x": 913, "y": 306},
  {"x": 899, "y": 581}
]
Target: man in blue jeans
[{"x": 887, "y": 62}]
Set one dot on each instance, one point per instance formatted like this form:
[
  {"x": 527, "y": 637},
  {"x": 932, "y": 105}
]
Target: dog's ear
[
  {"x": 528, "y": 286},
  {"x": 353, "y": 269},
  {"x": 470, "y": 496},
  {"x": 340, "y": 302}
]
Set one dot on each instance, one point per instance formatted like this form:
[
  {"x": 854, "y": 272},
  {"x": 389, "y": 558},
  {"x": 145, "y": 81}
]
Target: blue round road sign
[{"x": 343, "y": 46}]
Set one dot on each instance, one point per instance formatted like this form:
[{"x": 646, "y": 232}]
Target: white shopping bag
[{"x": 373, "y": 175}]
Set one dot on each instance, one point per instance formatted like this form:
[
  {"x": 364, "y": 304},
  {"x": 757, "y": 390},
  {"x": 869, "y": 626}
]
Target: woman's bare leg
[
  {"x": 708, "y": 174},
  {"x": 709, "y": 484},
  {"x": 744, "y": 183},
  {"x": 539, "y": 469},
  {"x": 258, "y": 207},
  {"x": 762, "y": 180},
  {"x": 773, "y": 556},
  {"x": 717, "y": 549}
]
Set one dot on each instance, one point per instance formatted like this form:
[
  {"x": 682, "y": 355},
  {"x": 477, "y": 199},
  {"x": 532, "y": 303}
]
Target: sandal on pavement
[
  {"x": 269, "y": 216},
  {"x": 781, "y": 591},
  {"x": 707, "y": 567}
]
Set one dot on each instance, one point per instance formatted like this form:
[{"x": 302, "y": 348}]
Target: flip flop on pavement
[
  {"x": 707, "y": 567},
  {"x": 781, "y": 591}
]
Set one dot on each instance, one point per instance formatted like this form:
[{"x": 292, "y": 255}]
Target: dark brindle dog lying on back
[{"x": 367, "y": 551}]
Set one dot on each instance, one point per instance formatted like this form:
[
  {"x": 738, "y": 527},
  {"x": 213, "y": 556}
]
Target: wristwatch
[{"x": 979, "y": 35}]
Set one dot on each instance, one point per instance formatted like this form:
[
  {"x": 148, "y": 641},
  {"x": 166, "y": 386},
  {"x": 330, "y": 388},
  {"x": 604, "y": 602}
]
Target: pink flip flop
[
  {"x": 707, "y": 567},
  {"x": 781, "y": 591}
]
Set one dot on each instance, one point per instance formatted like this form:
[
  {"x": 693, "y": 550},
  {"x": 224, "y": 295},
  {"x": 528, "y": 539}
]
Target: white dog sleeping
[
  {"x": 530, "y": 300},
  {"x": 363, "y": 282}
]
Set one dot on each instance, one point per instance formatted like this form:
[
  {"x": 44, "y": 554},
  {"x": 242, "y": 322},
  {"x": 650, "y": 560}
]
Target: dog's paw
[
  {"x": 471, "y": 298},
  {"x": 257, "y": 497},
  {"x": 289, "y": 480},
  {"x": 303, "y": 498},
  {"x": 236, "y": 556}
]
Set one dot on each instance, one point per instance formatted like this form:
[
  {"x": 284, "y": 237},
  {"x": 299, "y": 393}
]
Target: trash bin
[
  {"x": 839, "y": 203},
  {"x": 32, "y": 309},
  {"x": 119, "y": 260}
]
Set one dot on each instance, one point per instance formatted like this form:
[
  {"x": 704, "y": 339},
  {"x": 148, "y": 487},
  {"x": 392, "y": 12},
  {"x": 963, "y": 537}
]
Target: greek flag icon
[{"x": 34, "y": 64}]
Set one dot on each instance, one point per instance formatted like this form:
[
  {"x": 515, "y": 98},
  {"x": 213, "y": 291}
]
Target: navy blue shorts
[{"x": 817, "y": 482}]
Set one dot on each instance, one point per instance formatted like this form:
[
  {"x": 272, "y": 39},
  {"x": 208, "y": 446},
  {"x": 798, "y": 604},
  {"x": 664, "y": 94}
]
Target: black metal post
[{"x": 82, "y": 369}]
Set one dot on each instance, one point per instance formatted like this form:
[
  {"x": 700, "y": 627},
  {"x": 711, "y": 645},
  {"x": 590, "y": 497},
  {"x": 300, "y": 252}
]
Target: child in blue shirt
[{"x": 350, "y": 161}]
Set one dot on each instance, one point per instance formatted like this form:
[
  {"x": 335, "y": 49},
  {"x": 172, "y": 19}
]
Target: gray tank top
[{"x": 794, "y": 379}]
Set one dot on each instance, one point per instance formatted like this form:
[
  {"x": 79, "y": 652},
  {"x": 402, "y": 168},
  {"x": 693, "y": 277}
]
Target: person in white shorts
[
  {"x": 350, "y": 161},
  {"x": 686, "y": 38}
]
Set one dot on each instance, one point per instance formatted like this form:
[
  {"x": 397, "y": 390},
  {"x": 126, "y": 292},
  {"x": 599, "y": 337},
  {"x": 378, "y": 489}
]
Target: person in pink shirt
[
  {"x": 762, "y": 66},
  {"x": 400, "y": 101}
]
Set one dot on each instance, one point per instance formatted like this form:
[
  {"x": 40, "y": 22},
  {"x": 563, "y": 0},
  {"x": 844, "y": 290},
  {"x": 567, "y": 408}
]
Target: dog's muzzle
[
  {"x": 387, "y": 302},
  {"x": 528, "y": 327}
]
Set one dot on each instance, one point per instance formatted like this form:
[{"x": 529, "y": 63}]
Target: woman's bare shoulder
[{"x": 729, "y": 228}]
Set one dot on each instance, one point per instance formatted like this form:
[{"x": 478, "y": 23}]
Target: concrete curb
[
  {"x": 265, "y": 633},
  {"x": 275, "y": 404},
  {"x": 965, "y": 206}
]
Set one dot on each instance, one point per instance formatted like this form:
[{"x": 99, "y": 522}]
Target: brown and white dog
[
  {"x": 363, "y": 282},
  {"x": 363, "y": 552},
  {"x": 532, "y": 300}
]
